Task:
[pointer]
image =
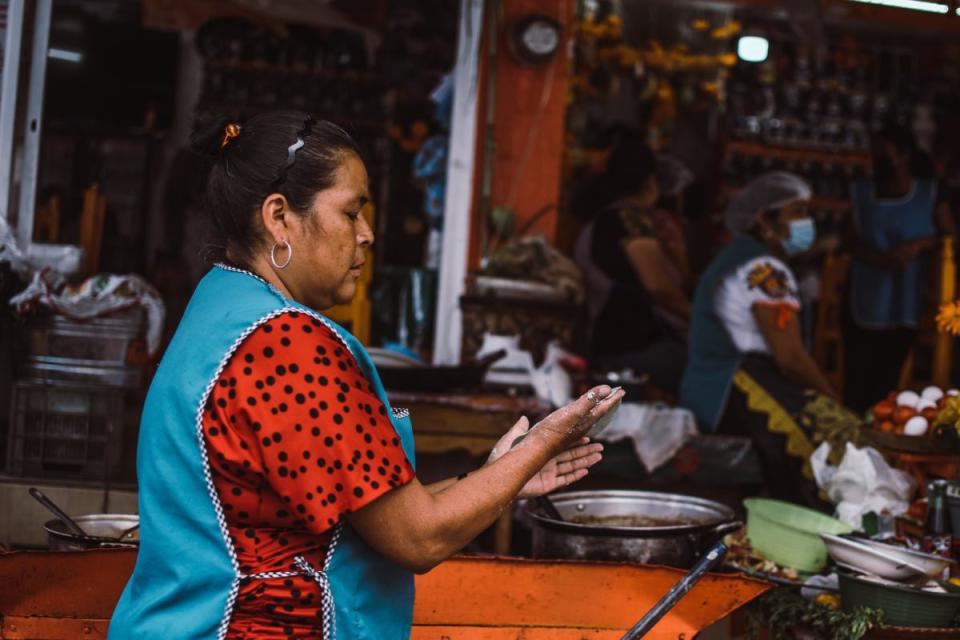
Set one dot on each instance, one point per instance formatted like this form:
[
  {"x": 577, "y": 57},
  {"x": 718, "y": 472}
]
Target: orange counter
[{"x": 66, "y": 596}]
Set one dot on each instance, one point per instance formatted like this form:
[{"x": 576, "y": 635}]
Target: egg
[
  {"x": 925, "y": 404},
  {"x": 916, "y": 426},
  {"x": 908, "y": 399},
  {"x": 932, "y": 393},
  {"x": 953, "y": 392}
]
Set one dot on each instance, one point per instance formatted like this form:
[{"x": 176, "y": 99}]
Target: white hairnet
[
  {"x": 672, "y": 175},
  {"x": 769, "y": 192}
]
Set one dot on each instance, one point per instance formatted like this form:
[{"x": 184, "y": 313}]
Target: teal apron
[
  {"x": 880, "y": 298},
  {"x": 187, "y": 576},
  {"x": 713, "y": 358}
]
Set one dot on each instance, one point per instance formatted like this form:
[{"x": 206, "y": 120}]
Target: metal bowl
[
  {"x": 103, "y": 530},
  {"x": 867, "y": 559},
  {"x": 633, "y": 526},
  {"x": 933, "y": 566}
]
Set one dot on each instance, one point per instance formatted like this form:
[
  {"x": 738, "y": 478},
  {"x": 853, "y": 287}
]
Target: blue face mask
[{"x": 802, "y": 234}]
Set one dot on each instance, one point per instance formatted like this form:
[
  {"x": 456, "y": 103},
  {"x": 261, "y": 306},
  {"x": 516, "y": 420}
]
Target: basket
[
  {"x": 902, "y": 606},
  {"x": 942, "y": 441},
  {"x": 66, "y": 431}
]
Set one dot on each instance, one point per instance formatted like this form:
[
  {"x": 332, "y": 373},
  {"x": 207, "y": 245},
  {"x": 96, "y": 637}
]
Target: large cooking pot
[
  {"x": 630, "y": 526},
  {"x": 103, "y": 529}
]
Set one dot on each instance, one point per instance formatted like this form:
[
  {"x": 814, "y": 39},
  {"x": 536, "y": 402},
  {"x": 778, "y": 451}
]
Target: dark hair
[
  {"x": 629, "y": 166},
  {"x": 261, "y": 160},
  {"x": 899, "y": 136}
]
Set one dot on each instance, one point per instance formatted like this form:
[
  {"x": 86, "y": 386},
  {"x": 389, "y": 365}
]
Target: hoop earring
[{"x": 273, "y": 255}]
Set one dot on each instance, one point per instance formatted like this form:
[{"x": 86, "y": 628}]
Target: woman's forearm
[
  {"x": 436, "y": 487},
  {"x": 417, "y": 529},
  {"x": 803, "y": 370},
  {"x": 673, "y": 300},
  {"x": 463, "y": 509}
]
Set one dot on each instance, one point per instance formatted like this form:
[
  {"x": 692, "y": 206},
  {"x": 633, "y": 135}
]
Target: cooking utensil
[
  {"x": 546, "y": 505},
  {"x": 67, "y": 521},
  {"x": 667, "y": 602},
  {"x": 787, "y": 533},
  {"x": 128, "y": 534},
  {"x": 104, "y": 530},
  {"x": 868, "y": 559},
  {"x": 630, "y": 526},
  {"x": 438, "y": 379},
  {"x": 901, "y": 606},
  {"x": 932, "y": 565}
]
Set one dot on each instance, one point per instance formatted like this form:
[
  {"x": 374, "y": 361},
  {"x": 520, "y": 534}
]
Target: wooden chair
[
  {"x": 940, "y": 345},
  {"x": 46, "y": 220},
  {"x": 828, "y": 334},
  {"x": 356, "y": 315},
  {"x": 91, "y": 228}
]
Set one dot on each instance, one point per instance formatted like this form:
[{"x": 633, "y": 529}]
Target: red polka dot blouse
[{"x": 296, "y": 439}]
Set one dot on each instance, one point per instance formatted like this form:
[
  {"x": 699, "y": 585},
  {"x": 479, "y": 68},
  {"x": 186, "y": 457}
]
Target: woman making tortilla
[
  {"x": 278, "y": 497},
  {"x": 748, "y": 372}
]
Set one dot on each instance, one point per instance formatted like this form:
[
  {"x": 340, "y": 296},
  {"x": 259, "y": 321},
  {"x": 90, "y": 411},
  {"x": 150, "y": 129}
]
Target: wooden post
[{"x": 943, "y": 347}]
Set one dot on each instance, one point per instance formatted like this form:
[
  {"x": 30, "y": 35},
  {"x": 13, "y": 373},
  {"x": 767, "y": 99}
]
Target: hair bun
[{"x": 207, "y": 136}]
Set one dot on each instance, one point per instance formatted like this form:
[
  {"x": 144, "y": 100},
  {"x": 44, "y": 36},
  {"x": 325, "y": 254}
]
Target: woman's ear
[{"x": 273, "y": 212}]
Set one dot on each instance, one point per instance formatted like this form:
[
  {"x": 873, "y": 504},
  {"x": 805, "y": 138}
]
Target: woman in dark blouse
[{"x": 635, "y": 286}]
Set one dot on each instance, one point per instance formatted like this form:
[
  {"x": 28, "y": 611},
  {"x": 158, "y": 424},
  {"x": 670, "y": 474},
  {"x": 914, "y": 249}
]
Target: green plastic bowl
[
  {"x": 901, "y": 606},
  {"x": 787, "y": 533}
]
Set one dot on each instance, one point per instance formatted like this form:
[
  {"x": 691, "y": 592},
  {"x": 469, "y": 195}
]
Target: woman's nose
[{"x": 365, "y": 234}]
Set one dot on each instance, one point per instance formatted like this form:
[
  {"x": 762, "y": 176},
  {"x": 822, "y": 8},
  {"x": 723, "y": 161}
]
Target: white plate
[
  {"x": 931, "y": 565},
  {"x": 867, "y": 559}
]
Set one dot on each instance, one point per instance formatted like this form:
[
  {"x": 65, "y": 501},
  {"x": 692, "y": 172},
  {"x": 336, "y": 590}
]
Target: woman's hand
[
  {"x": 567, "y": 425},
  {"x": 560, "y": 471},
  {"x": 902, "y": 255},
  {"x": 417, "y": 529}
]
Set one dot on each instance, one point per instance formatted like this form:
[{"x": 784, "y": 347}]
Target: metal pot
[
  {"x": 103, "y": 529},
  {"x": 630, "y": 526}
]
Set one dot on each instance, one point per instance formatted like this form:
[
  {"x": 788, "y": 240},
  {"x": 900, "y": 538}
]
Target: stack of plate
[
  {"x": 883, "y": 560},
  {"x": 894, "y": 579}
]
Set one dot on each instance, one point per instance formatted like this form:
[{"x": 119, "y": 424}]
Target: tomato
[
  {"x": 930, "y": 413},
  {"x": 902, "y": 414},
  {"x": 883, "y": 410},
  {"x": 886, "y": 427}
]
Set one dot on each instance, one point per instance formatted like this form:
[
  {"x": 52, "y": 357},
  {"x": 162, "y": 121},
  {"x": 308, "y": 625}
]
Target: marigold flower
[{"x": 948, "y": 319}]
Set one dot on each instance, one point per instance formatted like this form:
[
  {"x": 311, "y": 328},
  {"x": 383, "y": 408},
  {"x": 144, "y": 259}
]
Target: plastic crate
[
  {"x": 114, "y": 339},
  {"x": 108, "y": 350},
  {"x": 66, "y": 431}
]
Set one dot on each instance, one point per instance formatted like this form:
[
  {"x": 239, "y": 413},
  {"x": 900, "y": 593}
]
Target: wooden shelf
[
  {"x": 229, "y": 108},
  {"x": 259, "y": 67},
  {"x": 839, "y": 205},
  {"x": 819, "y": 155}
]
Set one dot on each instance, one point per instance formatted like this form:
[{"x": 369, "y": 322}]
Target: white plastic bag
[
  {"x": 657, "y": 432},
  {"x": 863, "y": 482},
  {"x": 94, "y": 297}
]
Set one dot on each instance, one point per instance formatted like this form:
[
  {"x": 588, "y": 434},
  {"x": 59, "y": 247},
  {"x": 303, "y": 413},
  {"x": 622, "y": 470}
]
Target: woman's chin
[{"x": 345, "y": 294}]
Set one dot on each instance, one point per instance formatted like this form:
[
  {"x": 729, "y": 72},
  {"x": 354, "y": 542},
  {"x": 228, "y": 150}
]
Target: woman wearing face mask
[
  {"x": 894, "y": 225},
  {"x": 748, "y": 372}
]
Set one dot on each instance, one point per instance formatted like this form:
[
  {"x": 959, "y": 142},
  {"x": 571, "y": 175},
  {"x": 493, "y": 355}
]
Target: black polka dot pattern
[{"x": 296, "y": 440}]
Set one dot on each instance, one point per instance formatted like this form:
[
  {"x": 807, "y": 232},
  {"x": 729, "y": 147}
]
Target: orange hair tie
[{"x": 231, "y": 131}]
